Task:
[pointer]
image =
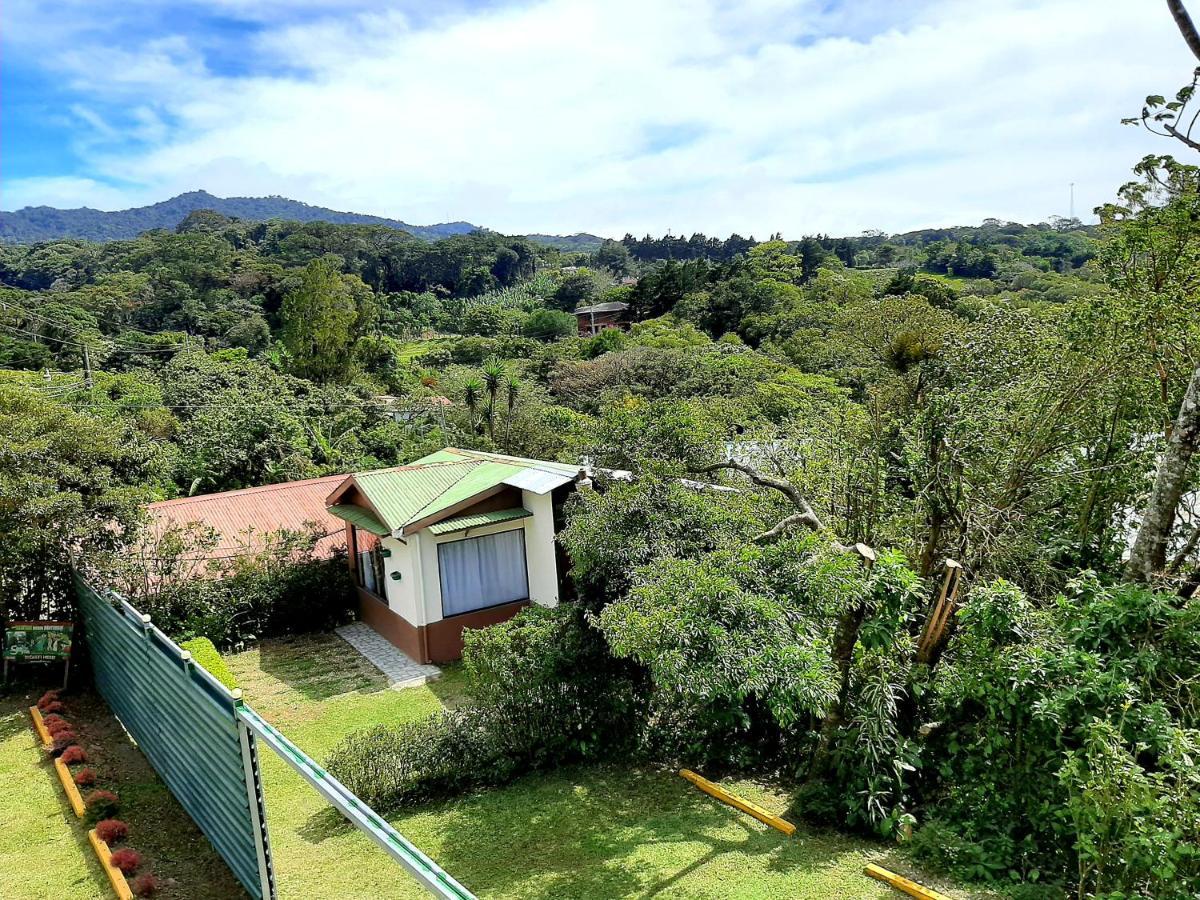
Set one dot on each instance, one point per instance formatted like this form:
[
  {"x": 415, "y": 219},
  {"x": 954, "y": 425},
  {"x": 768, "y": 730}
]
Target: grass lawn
[
  {"x": 44, "y": 850},
  {"x": 596, "y": 832}
]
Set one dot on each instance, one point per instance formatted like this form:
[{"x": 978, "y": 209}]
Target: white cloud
[{"x": 695, "y": 115}]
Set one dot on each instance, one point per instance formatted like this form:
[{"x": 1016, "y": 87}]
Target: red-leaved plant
[
  {"x": 111, "y": 831},
  {"x": 127, "y": 860},
  {"x": 58, "y": 727},
  {"x": 101, "y": 804},
  {"x": 54, "y": 720},
  {"x": 62, "y": 740},
  {"x": 46, "y": 699},
  {"x": 145, "y": 885},
  {"x": 55, "y": 707},
  {"x": 85, "y": 777},
  {"x": 73, "y": 755}
]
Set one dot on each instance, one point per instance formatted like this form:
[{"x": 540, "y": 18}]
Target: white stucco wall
[
  {"x": 539, "y": 548},
  {"x": 403, "y": 595},
  {"x": 425, "y": 585}
]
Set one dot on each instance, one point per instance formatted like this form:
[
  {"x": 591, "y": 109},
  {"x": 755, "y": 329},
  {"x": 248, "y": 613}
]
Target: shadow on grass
[
  {"x": 589, "y": 832},
  {"x": 319, "y": 666}
]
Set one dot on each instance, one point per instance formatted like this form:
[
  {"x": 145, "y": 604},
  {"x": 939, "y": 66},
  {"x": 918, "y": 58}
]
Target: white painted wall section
[
  {"x": 403, "y": 594},
  {"x": 539, "y": 548}
]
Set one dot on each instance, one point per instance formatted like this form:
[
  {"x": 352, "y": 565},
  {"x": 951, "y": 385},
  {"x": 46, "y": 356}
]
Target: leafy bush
[
  {"x": 85, "y": 777},
  {"x": 54, "y": 706},
  {"x": 111, "y": 831},
  {"x": 545, "y": 693},
  {"x": 46, "y": 699},
  {"x": 53, "y": 721},
  {"x": 205, "y": 654},
  {"x": 73, "y": 755},
  {"x": 1066, "y": 740},
  {"x": 127, "y": 860},
  {"x": 282, "y": 587},
  {"x": 63, "y": 741}
]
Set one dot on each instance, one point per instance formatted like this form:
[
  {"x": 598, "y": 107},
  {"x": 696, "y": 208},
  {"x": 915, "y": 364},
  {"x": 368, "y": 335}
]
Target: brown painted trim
[
  {"x": 398, "y": 630},
  {"x": 445, "y": 637}
]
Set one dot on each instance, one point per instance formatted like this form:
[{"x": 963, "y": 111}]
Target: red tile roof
[{"x": 244, "y": 517}]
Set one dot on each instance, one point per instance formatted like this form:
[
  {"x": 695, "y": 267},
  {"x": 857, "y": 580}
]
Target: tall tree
[{"x": 319, "y": 319}]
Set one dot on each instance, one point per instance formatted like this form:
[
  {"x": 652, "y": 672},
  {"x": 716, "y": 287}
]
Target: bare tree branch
[
  {"x": 1186, "y": 27},
  {"x": 804, "y": 516}
]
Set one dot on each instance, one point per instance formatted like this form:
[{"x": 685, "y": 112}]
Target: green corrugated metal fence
[{"x": 186, "y": 724}]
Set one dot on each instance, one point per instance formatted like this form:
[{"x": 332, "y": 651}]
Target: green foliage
[
  {"x": 205, "y": 654},
  {"x": 1065, "y": 735},
  {"x": 70, "y": 488},
  {"x": 276, "y": 584},
  {"x": 543, "y": 694},
  {"x": 319, "y": 320}
]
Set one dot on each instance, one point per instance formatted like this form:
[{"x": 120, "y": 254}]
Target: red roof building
[{"x": 242, "y": 519}]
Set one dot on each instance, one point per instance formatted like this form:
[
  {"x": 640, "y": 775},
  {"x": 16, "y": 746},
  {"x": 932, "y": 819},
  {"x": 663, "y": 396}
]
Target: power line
[{"x": 70, "y": 329}]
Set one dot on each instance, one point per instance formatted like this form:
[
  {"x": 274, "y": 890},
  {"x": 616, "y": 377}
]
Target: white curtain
[{"x": 483, "y": 571}]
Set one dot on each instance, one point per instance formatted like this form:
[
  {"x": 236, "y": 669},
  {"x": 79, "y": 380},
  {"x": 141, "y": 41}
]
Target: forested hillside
[
  {"x": 996, "y": 395},
  {"x": 42, "y": 223}
]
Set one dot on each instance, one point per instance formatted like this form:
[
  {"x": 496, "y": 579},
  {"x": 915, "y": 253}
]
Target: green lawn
[
  {"x": 598, "y": 832},
  {"x": 44, "y": 850}
]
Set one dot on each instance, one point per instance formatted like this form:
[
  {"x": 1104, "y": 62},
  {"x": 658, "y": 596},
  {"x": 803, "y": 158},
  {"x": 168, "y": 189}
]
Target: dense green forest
[{"x": 998, "y": 395}]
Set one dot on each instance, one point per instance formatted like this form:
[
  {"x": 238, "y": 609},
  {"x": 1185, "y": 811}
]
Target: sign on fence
[{"x": 38, "y": 642}]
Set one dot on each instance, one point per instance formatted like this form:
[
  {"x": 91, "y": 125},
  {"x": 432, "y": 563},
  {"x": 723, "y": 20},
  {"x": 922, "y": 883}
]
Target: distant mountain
[{"x": 44, "y": 223}]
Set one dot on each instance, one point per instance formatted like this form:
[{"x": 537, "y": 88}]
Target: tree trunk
[
  {"x": 1149, "y": 554},
  {"x": 1184, "y": 23}
]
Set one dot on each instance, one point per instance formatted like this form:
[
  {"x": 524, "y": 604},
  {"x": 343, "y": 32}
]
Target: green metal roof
[
  {"x": 436, "y": 483},
  {"x": 461, "y": 523},
  {"x": 399, "y": 494},
  {"x": 360, "y": 516}
]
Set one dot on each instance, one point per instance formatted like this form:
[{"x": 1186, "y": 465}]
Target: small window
[
  {"x": 370, "y": 561},
  {"x": 485, "y": 571}
]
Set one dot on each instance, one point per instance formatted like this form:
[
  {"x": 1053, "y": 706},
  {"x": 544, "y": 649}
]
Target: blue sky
[{"x": 560, "y": 115}]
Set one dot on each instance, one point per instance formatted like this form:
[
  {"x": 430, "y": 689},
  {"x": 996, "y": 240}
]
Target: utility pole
[
  {"x": 87, "y": 367},
  {"x": 1072, "y": 200}
]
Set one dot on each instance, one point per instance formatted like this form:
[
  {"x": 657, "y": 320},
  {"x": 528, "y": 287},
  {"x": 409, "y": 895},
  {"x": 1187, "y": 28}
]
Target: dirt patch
[{"x": 175, "y": 850}]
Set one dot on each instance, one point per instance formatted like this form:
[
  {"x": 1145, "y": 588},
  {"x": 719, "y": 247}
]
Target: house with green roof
[{"x": 458, "y": 539}]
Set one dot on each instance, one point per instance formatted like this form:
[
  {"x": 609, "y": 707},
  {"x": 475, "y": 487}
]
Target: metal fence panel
[{"x": 186, "y": 724}]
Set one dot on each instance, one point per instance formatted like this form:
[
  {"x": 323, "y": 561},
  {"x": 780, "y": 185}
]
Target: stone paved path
[{"x": 401, "y": 671}]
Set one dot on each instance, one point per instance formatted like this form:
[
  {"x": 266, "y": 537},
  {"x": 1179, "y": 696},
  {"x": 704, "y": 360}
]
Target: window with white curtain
[{"x": 484, "y": 571}]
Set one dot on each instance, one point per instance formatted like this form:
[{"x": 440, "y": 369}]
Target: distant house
[
  {"x": 596, "y": 318},
  {"x": 243, "y": 519},
  {"x": 458, "y": 539},
  {"x": 412, "y": 410}
]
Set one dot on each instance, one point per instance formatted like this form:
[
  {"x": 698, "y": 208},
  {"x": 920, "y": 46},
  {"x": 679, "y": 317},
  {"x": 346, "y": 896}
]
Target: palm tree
[
  {"x": 512, "y": 387},
  {"x": 493, "y": 377},
  {"x": 472, "y": 392}
]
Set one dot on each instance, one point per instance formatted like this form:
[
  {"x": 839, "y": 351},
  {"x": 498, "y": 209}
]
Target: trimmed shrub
[
  {"x": 101, "y": 804},
  {"x": 85, "y": 777},
  {"x": 62, "y": 740},
  {"x": 73, "y": 755},
  {"x": 46, "y": 699},
  {"x": 111, "y": 831},
  {"x": 205, "y": 654},
  {"x": 127, "y": 860},
  {"x": 545, "y": 692},
  {"x": 55, "y": 706},
  {"x": 53, "y": 720},
  {"x": 144, "y": 885}
]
